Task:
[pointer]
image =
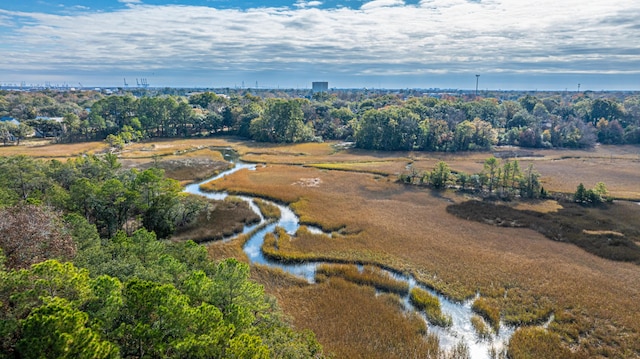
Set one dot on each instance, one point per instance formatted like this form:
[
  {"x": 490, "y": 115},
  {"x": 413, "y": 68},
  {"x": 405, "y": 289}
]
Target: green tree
[
  {"x": 281, "y": 122},
  {"x": 491, "y": 171},
  {"x": 580, "y": 195},
  {"x": 440, "y": 175},
  {"x": 57, "y": 330}
]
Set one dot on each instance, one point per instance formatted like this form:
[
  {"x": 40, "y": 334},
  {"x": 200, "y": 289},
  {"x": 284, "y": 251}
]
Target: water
[{"x": 461, "y": 329}]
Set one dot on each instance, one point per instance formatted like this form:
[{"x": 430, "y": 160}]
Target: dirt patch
[{"x": 308, "y": 182}]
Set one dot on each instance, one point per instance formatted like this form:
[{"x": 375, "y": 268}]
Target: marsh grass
[
  {"x": 591, "y": 229},
  {"x": 535, "y": 342},
  {"x": 352, "y": 322},
  {"x": 43, "y": 149},
  {"x": 267, "y": 209},
  {"x": 369, "y": 275},
  {"x": 488, "y": 309},
  {"x": 381, "y": 222},
  {"x": 480, "y": 327},
  {"x": 409, "y": 230},
  {"x": 430, "y": 305},
  {"x": 218, "y": 220}
]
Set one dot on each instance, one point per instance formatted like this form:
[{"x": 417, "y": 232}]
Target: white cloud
[
  {"x": 383, "y": 36},
  {"x": 381, "y": 3},
  {"x": 306, "y": 4}
]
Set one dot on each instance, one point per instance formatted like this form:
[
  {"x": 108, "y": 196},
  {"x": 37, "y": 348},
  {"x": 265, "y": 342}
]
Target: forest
[
  {"x": 85, "y": 276},
  {"x": 378, "y": 121}
]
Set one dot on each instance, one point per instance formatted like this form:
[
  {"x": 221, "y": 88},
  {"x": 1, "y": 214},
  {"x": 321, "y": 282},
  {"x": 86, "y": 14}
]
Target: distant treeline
[{"x": 371, "y": 120}]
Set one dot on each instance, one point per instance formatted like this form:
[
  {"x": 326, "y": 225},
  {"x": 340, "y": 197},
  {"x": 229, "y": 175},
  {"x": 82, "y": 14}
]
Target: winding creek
[{"x": 461, "y": 329}]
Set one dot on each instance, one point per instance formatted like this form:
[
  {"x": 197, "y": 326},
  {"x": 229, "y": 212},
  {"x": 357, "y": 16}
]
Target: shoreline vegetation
[{"x": 494, "y": 248}]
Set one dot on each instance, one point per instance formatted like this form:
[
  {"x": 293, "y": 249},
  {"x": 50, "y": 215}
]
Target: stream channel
[{"x": 461, "y": 329}]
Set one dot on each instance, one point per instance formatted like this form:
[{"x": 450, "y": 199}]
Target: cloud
[
  {"x": 384, "y": 37},
  {"x": 381, "y": 3},
  {"x": 306, "y": 4}
]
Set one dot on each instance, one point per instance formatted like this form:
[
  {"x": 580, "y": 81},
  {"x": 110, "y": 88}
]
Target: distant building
[
  {"x": 319, "y": 87},
  {"x": 10, "y": 120}
]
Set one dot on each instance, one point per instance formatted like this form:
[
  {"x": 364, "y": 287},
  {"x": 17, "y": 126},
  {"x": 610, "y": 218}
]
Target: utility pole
[{"x": 477, "y": 79}]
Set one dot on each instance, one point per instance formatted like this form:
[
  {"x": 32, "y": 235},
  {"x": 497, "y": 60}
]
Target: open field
[
  {"x": 520, "y": 273},
  {"x": 44, "y": 149},
  {"x": 524, "y": 275}
]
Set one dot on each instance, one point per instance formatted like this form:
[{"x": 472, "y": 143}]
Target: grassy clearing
[
  {"x": 369, "y": 275},
  {"x": 219, "y": 220},
  {"x": 47, "y": 150},
  {"x": 383, "y": 168},
  {"x": 430, "y": 305},
  {"x": 267, "y": 209}
]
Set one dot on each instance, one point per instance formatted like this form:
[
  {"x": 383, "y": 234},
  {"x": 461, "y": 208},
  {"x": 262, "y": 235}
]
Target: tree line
[
  {"x": 84, "y": 274},
  {"x": 372, "y": 121},
  {"x": 503, "y": 178}
]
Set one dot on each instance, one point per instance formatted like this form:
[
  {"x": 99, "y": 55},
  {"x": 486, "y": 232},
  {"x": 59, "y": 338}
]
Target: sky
[{"x": 511, "y": 44}]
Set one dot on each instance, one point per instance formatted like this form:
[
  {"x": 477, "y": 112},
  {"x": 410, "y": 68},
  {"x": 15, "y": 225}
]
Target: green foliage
[
  {"x": 417, "y": 122},
  {"x": 57, "y": 330},
  {"x": 440, "y": 175},
  {"x": 58, "y": 310},
  {"x": 591, "y": 196},
  {"x": 281, "y": 122}
]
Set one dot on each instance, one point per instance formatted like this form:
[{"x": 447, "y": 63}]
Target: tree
[
  {"x": 530, "y": 183},
  {"x": 580, "y": 194},
  {"x": 440, "y": 175},
  {"x": 281, "y": 122},
  {"x": 491, "y": 171},
  {"x": 57, "y": 330},
  {"x": 31, "y": 234}
]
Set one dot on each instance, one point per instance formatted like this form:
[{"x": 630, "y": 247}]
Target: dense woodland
[
  {"x": 83, "y": 274},
  {"x": 381, "y": 121}
]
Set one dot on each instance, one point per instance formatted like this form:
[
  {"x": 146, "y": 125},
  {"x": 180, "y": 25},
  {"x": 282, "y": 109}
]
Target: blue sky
[{"x": 512, "y": 44}]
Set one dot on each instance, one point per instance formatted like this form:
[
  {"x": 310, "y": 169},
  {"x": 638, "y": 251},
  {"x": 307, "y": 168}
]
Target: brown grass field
[
  {"x": 524, "y": 275},
  {"x": 521, "y": 273}
]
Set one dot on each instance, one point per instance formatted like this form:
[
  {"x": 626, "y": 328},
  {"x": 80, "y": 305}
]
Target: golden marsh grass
[
  {"x": 408, "y": 229},
  {"x": 375, "y": 220}
]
